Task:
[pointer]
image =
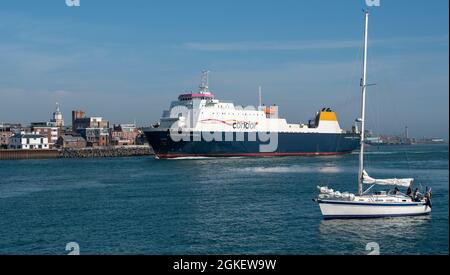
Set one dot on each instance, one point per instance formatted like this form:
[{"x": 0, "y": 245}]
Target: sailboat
[{"x": 393, "y": 203}]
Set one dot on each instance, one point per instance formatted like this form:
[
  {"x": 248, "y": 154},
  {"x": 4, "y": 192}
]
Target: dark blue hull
[{"x": 289, "y": 144}]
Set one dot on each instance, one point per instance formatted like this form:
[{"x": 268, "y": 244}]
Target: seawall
[
  {"x": 98, "y": 152},
  {"x": 107, "y": 152},
  {"x": 28, "y": 154}
]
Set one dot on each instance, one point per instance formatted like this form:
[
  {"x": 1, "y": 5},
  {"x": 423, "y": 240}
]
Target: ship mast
[
  {"x": 363, "y": 106},
  {"x": 260, "y": 96},
  {"x": 204, "y": 85}
]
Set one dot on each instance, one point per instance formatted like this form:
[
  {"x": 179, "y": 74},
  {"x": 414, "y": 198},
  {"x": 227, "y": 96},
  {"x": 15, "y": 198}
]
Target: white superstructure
[{"x": 202, "y": 112}]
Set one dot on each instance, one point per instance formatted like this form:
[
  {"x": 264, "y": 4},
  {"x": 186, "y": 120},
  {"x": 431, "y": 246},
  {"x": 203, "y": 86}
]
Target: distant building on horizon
[
  {"x": 5, "y": 135},
  {"x": 15, "y": 128},
  {"x": 47, "y": 129},
  {"x": 57, "y": 118},
  {"x": 76, "y": 115},
  {"x": 124, "y": 134},
  {"x": 28, "y": 141},
  {"x": 81, "y": 121},
  {"x": 71, "y": 141},
  {"x": 51, "y": 129},
  {"x": 94, "y": 129}
]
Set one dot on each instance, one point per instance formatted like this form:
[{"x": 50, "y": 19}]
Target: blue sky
[{"x": 126, "y": 60}]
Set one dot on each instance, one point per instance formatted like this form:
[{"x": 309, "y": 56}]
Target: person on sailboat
[
  {"x": 396, "y": 191},
  {"x": 409, "y": 192},
  {"x": 427, "y": 196},
  {"x": 416, "y": 195},
  {"x": 429, "y": 193}
]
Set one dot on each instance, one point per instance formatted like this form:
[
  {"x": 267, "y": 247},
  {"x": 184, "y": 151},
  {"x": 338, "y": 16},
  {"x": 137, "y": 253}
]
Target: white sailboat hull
[{"x": 335, "y": 209}]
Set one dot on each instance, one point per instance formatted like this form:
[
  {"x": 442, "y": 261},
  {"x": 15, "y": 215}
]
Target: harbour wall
[
  {"x": 28, "y": 154},
  {"x": 97, "y": 152},
  {"x": 107, "y": 152}
]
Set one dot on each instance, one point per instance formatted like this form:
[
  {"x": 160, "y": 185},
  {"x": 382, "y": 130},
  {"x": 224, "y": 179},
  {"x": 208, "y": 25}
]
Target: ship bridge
[
  {"x": 203, "y": 92},
  {"x": 191, "y": 96}
]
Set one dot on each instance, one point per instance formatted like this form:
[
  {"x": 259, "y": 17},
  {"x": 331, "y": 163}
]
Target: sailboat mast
[{"x": 363, "y": 106}]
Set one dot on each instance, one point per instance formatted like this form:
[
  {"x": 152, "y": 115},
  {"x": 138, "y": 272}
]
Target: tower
[
  {"x": 77, "y": 114},
  {"x": 57, "y": 117}
]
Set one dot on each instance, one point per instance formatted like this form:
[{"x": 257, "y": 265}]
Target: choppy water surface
[{"x": 212, "y": 206}]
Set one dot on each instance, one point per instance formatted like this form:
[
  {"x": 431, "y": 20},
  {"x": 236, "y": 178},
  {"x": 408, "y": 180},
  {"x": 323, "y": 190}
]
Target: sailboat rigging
[{"x": 334, "y": 204}]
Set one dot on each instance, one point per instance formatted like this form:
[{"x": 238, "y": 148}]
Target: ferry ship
[{"x": 200, "y": 125}]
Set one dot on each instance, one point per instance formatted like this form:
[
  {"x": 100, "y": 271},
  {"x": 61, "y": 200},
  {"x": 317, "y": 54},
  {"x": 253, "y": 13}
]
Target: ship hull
[
  {"x": 355, "y": 210},
  {"x": 288, "y": 144}
]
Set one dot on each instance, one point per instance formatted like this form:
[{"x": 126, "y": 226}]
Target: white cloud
[
  {"x": 308, "y": 45},
  {"x": 263, "y": 46}
]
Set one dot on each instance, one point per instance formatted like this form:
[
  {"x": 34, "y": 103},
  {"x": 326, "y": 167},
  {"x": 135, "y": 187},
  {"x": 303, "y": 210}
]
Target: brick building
[
  {"x": 47, "y": 129},
  {"x": 96, "y": 136},
  {"x": 5, "y": 135},
  {"x": 124, "y": 134},
  {"x": 76, "y": 116},
  {"x": 94, "y": 129},
  {"x": 81, "y": 121},
  {"x": 71, "y": 141}
]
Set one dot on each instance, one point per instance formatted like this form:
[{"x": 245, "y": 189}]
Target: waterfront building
[
  {"x": 81, "y": 121},
  {"x": 94, "y": 129},
  {"x": 47, "y": 129},
  {"x": 7, "y": 130},
  {"x": 50, "y": 129},
  {"x": 28, "y": 141},
  {"x": 71, "y": 141},
  {"x": 12, "y": 127},
  {"x": 124, "y": 134},
  {"x": 96, "y": 136},
  {"x": 373, "y": 140},
  {"x": 76, "y": 115},
  {"x": 140, "y": 138},
  {"x": 429, "y": 141},
  {"x": 4, "y": 138}
]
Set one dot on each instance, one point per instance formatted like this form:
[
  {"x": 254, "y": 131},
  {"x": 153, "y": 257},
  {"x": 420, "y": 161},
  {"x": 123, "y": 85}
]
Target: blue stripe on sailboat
[{"x": 329, "y": 217}]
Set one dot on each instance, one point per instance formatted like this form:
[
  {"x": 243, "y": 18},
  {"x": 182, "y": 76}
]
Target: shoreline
[{"x": 89, "y": 152}]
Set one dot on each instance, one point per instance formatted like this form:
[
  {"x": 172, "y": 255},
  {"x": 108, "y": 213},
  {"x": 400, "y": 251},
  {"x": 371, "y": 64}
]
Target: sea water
[{"x": 141, "y": 205}]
